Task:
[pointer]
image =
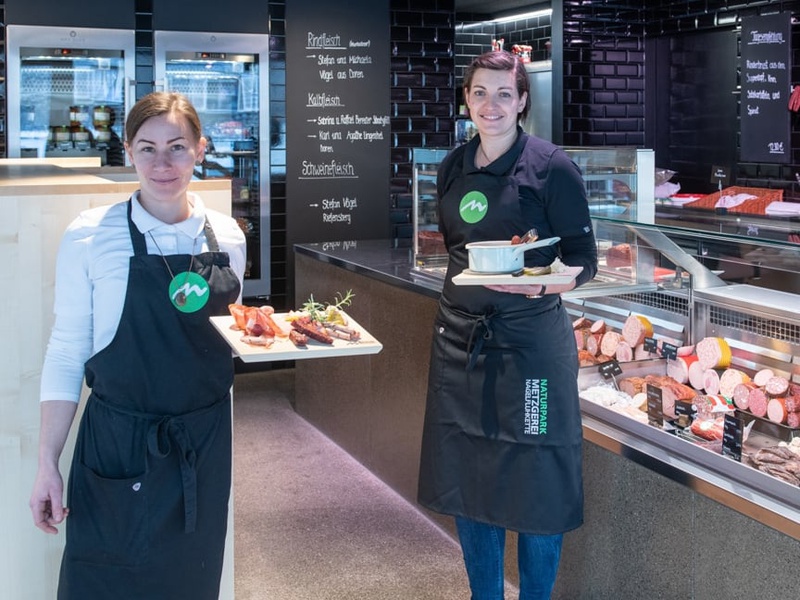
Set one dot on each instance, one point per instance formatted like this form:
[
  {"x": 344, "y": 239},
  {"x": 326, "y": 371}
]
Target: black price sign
[
  {"x": 650, "y": 344},
  {"x": 669, "y": 351},
  {"x": 685, "y": 408},
  {"x": 766, "y": 61},
  {"x": 610, "y": 369},
  {"x": 732, "y": 437},
  {"x": 655, "y": 406}
]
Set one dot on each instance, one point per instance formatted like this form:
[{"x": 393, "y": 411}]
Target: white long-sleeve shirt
[{"x": 92, "y": 277}]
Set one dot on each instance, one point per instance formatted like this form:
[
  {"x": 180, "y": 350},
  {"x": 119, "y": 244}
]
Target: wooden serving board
[
  {"x": 468, "y": 277},
  {"x": 283, "y": 349}
]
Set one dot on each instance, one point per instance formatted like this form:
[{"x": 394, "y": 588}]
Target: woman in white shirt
[{"x": 136, "y": 283}]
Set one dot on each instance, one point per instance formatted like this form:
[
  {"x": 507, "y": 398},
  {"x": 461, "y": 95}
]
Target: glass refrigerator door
[
  {"x": 225, "y": 82},
  {"x": 71, "y": 91}
]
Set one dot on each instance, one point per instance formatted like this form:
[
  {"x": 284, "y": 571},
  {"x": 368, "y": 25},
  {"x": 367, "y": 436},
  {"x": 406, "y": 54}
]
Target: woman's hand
[
  {"x": 46, "y": 502},
  {"x": 526, "y": 290}
]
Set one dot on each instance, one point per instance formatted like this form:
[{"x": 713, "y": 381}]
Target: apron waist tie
[
  {"x": 158, "y": 444},
  {"x": 162, "y": 430},
  {"x": 473, "y": 352}
]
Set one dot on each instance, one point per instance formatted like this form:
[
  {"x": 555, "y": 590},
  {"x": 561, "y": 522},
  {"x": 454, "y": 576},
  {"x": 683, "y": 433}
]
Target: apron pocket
[{"x": 107, "y": 523}]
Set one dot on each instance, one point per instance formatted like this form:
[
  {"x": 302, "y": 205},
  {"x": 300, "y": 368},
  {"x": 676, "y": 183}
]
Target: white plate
[
  {"x": 467, "y": 277},
  {"x": 283, "y": 349}
]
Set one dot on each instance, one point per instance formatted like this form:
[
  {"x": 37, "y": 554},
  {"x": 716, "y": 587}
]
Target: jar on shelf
[
  {"x": 102, "y": 134},
  {"x": 101, "y": 116},
  {"x": 61, "y": 133},
  {"x": 78, "y": 115},
  {"x": 80, "y": 134}
]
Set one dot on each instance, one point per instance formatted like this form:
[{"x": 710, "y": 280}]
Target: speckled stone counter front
[{"x": 645, "y": 536}]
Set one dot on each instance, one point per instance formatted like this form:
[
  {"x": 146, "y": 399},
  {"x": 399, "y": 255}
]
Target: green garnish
[{"x": 322, "y": 312}]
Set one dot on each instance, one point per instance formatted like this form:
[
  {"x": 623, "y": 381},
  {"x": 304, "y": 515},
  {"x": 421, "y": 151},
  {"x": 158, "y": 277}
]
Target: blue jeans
[{"x": 483, "y": 547}]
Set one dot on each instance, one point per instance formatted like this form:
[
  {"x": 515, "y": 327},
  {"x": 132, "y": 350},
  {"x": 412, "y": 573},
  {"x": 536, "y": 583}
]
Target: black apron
[
  {"x": 151, "y": 474},
  {"x": 502, "y": 435}
]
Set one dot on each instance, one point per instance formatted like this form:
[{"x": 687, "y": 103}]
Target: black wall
[{"x": 118, "y": 14}]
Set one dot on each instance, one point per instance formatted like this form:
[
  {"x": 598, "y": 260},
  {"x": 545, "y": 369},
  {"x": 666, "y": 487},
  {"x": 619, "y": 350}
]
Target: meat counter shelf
[{"x": 753, "y": 493}]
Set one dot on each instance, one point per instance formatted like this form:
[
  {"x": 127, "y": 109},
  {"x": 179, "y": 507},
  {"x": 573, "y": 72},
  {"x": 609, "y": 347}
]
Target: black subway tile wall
[
  {"x": 473, "y": 39},
  {"x": 603, "y": 73},
  {"x": 422, "y": 94},
  {"x": 604, "y": 59},
  {"x": 277, "y": 176}
]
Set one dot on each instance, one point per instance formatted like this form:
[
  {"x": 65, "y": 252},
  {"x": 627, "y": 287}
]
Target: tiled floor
[{"x": 312, "y": 523}]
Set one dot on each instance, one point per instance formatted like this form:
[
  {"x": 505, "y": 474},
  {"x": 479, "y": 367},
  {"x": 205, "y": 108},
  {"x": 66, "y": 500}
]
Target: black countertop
[{"x": 375, "y": 258}]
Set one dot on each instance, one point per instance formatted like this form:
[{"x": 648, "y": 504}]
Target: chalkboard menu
[
  {"x": 765, "y": 117},
  {"x": 338, "y": 149}
]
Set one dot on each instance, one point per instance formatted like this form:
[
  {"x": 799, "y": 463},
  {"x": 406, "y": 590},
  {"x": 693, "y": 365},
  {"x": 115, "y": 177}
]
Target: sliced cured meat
[
  {"x": 586, "y": 359},
  {"x": 238, "y": 312},
  {"x": 708, "y": 429},
  {"x": 580, "y": 338},
  {"x": 632, "y": 385},
  {"x": 696, "y": 372},
  {"x": 635, "y": 329},
  {"x": 776, "y": 410},
  {"x": 671, "y": 392},
  {"x": 624, "y": 352},
  {"x": 793, "y": 420},
  {"x": 593, "y": 344},
  {"x": 711, "y": 381},
  {"x": 729, "y": 379},
  {"x": 609, "y": 343},
  {"x": 639, "y": 353},
  {"x": 777, "y": 386},
  {"x": 712, "y": 404},
  {"x": 679, "y": 369},
  {"x": 763, "y": 376},
  {"x": 741, "y": 394},
  {"x": 581, "y": 323},
  {"x": 757, "y": 402},
  {"x": 714, "y": 353},
  {"x": 618, "y": 256},
  {"x": 598, "y": 327},
  {"x": 793, "y": 404}
]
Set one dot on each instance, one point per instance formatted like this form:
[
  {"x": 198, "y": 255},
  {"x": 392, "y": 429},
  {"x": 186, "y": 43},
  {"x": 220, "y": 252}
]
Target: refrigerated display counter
[{"x": 662, "y": 512}]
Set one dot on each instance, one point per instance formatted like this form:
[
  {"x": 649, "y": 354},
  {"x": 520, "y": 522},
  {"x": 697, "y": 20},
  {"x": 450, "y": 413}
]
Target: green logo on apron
[
  {"x": 188, "y": 292},
  {"x": 473, "y": 207}
]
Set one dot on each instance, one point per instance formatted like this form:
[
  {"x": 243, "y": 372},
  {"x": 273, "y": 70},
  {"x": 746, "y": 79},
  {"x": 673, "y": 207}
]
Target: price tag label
[
  {"x": 669, "y": 351},
  {"x": 685, "y": 408},
  {"x": 732, "y": 437},
  {"x": 610, "y": 369},
  {"x": 655, "y": 406},
  {"x": 650, "y": 345}
]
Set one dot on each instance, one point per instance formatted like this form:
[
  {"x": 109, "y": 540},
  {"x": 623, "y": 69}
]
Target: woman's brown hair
[
  {"x": 502, "y": 61},
  {"x": 161, "y": 103}
]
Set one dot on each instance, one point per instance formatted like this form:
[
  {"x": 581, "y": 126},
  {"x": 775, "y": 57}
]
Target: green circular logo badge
[
  {"x": 188, "y": 292},
  {"x": 473, "y": 207}
]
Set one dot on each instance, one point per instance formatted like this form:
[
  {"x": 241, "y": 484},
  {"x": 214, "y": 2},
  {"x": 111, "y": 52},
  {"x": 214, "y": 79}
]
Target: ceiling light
[{"x": 527, "y": 15}]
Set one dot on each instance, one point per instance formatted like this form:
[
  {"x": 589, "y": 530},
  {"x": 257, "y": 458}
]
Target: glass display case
[
  {"x": 620, "y": 180},
  {"x": 430, "y": 255}
]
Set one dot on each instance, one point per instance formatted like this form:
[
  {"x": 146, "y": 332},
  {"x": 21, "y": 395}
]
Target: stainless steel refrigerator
[
  {"x": 69, "y": 89},
  {"x": 540, "y": 118},
  {"x": 226, "y": 77}
]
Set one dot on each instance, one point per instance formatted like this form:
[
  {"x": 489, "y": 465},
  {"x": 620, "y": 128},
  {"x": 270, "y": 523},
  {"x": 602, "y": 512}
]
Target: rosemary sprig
[{"x": 319, "y": 312}]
